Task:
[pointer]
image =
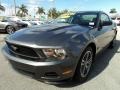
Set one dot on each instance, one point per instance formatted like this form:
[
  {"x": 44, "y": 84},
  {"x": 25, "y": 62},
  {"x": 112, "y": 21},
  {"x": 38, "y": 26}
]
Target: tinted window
[{"x": 104, "y": 17}]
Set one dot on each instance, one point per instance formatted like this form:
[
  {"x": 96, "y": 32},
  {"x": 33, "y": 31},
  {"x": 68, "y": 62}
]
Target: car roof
[{"x": 90, "y": 12}]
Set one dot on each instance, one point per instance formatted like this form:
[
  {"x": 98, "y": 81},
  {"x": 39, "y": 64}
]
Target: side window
[{"x": 104, "y": 17}]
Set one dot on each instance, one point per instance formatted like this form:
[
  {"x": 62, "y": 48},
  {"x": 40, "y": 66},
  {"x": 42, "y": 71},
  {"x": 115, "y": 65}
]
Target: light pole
[{"x": 15, "y": 6}]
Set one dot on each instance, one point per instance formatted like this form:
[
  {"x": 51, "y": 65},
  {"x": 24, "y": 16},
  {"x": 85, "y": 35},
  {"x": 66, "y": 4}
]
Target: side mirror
[{"x": 106, "y": 23}]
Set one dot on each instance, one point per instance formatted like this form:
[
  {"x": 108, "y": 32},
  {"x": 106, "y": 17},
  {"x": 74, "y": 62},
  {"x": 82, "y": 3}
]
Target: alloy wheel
[
  {"x": 10, "y": 30},
  {"x": 86, "y": 63}
]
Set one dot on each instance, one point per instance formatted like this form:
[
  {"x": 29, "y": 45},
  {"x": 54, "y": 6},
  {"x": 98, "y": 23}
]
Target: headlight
[{"x": 55, "y": 53}]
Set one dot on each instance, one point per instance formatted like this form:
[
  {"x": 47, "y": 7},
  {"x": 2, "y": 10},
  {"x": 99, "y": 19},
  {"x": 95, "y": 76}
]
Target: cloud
[
  {"x": 9, "y": 10},
  {"x": 35, "y": 1},
  {"x": 32, "y": 1},
  {"x": 33, "y": 4}
]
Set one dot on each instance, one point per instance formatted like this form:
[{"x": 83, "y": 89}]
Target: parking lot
[{"x": 104, "y": 76}]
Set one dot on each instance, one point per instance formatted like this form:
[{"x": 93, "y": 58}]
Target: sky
[{"x": 72, "y": 5}]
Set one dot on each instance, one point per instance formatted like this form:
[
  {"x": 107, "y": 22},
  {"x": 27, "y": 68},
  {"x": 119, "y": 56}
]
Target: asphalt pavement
[{"x": 105, "y": 74}]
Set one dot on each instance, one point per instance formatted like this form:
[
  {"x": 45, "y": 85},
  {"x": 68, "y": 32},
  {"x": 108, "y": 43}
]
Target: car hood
[{"x": 47, "y": 35}]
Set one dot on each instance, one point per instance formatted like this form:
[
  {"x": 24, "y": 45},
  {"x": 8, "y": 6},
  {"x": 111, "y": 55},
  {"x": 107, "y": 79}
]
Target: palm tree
[
  {"x": 113, "y": 10},
  {"x": 22, "y": 12},
  {"x": 65, "y": 11},
  {"x": 53, "y": 13},
  {"x": 2, "y": 8},
  {"x": 40, "y": 10}
]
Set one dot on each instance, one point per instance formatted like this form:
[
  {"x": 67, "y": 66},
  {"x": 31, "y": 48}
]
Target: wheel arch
[
  {"x": 93, "y": 46},
  {"x": 9, "y": 25}
]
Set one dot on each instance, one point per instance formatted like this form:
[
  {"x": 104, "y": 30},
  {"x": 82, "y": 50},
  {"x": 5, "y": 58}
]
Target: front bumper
[{"x": 49, "y": 72}]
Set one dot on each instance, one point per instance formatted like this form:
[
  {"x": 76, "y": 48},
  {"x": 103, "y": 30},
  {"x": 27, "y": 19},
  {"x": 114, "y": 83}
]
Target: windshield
[{"x": 86, "y": 19}]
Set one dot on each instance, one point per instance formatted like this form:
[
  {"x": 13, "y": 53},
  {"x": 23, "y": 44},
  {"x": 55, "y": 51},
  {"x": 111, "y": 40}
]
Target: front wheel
[
  {"x": 84, "y": 65},
  {"x": 10, "y": 29}
]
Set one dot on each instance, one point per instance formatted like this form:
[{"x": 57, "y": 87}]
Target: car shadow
[{"x": 102, "y": 60}]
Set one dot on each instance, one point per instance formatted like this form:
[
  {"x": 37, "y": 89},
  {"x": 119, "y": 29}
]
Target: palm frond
[{"x": 2, "y": 8}]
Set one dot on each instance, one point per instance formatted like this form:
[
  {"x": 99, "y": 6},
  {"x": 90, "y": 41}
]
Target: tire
[
  {"x": 111, "y": 45},
  {"x": 10, "y": 29},
  {"x": 83, "y": 68}
]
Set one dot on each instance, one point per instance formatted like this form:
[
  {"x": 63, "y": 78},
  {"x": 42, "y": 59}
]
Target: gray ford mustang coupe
[{"x": 60, "y": 51}]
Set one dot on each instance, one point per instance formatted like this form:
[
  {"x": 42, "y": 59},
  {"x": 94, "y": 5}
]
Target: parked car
[
  {"x": 28, "y": 23},
  {"x": 56, "y": 52},
  {"x": 37, "y": 22},
  {"x": 61, "y": 19},
  {"x": 57, "y": 20},
  {"x": 10, "y": 25},
  {"x": 17, "y": 19},
  {"x": 64, "y": 17},
  {"x": 116, "y": 20}
]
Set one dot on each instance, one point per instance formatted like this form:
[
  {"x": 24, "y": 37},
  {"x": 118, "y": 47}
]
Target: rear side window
[{"x": 104, "y": 18}]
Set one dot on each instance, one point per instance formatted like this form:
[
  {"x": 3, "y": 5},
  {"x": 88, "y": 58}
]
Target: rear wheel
[
  {"x": 84, "y": 65},
  {"x": 10, "y": 29}
]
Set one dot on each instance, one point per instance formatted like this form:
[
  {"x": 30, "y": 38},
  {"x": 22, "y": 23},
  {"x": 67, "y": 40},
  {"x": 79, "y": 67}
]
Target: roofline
[{"x": 90, "y": 11}]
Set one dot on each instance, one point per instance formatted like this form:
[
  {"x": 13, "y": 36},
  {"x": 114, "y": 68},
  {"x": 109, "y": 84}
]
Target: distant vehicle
[
  {"x": 116, "y": 20},
  {"x": 10, "y": 25},
  {"x": 62, "y": 18},
  {"x": 115, "y": 26},
  {"x": 28, "y": 23},
  {"x": 62, "y": 51},
  {"x": 57, "y": 20},
  {"x": 17, "y": 19},
  {"x": 37, "y": 22}
]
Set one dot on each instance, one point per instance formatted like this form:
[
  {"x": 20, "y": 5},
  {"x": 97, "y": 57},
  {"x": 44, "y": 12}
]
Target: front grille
[{"x": 23, "y": 52}]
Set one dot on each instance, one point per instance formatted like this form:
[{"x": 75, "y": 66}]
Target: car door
[
  {"x": 104, "y": 34},
  {"x": 108, "y": 30}
]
